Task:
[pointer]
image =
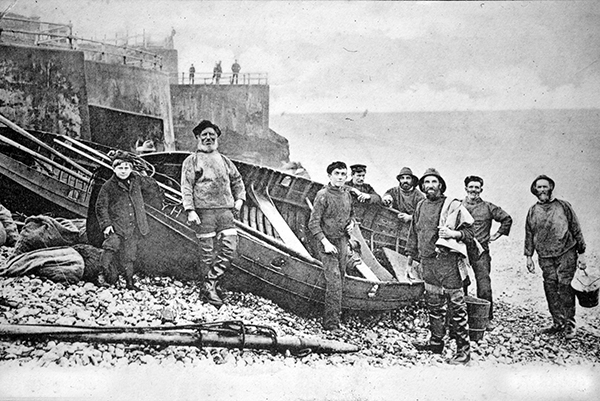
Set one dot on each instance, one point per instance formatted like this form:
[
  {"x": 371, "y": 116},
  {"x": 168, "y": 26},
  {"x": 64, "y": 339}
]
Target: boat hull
[{"x": 263, "y": 265}]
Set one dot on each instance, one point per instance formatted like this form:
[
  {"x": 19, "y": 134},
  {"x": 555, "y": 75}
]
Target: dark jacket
[
  {"x": 122, "y": 206},
  {"x": 332, "y": 212},
  {"x": 484, "y": 213},
  {"x": 405, "y": 201},
  {"x": 552, "y": 229},
  {"x": 366, "y": 189}
]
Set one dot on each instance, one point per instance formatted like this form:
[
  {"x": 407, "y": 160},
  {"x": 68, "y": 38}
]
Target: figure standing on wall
[
  {"x": 217, "y": 73},
  {"x": 235, "y": 68},
  {"x": 192, "y": 73}
]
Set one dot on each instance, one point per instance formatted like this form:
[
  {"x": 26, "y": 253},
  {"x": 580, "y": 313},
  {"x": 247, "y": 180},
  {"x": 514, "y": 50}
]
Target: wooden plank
[
  {"x": 399, "y": 264},
  {"x": 277, "y": 221},
  {"x": 252, "y": 217},
  {"x": 368, "y": 257},
  {"x": 366, "y": 271},
  {"x": 260, "y": 226}
]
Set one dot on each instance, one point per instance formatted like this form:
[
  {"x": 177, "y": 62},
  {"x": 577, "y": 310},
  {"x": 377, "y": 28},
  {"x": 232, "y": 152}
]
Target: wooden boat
[{"x": 275, "y": 257}]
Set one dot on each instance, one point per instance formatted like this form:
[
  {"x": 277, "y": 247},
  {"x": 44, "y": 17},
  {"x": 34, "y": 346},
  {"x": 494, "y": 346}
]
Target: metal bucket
[
  {"x": 478, "y": 311},
  {"x": 587, "y": 299}
]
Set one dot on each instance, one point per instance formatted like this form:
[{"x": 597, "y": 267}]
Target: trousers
[
  {"x": 557, "y": 273},
  {"x": 334, "y": 266}
]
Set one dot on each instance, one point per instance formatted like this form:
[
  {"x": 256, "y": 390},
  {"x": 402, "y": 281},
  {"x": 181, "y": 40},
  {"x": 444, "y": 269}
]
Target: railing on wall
[
  {"x": 33, "y": 32},
  {"x": 247, "y": 78}
]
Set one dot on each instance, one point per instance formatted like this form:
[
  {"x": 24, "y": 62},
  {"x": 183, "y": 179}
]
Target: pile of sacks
[{"x": 52, "y": 248}]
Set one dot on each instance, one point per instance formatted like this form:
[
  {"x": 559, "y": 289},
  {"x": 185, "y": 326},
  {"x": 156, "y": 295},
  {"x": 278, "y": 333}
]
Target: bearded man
[
  {"x": 441, "y": 271},
  {"x": 553, "y": 231},
  {"x": 212, "y": 188},
  {"x": 404, "y": 198},
  {"x": 484, "y": 213}
]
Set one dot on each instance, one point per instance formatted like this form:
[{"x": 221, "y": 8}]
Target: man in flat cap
[
  {"x": 440, "y": 226},
  {"x": 212, "y": 188},
  {"x": 552, "y": 230},
  {"x": 484, "y": 213},
  {"x": 404, "y": 198},
  {"x": 359, "y": 189}
]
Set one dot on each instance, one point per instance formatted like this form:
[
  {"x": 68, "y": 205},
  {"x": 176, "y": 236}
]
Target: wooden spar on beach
[{"x": 219, "y": 334}]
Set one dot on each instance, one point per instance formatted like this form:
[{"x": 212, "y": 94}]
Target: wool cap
[
  {"x": 204, "y": 124},
  {"x": 431, "y": 171},
  {"x": 408, "y": 171},
  {"x": 541, "y": 177},
  {"x": 120, "y": 156},
  {"x": 358, "y": 168}
]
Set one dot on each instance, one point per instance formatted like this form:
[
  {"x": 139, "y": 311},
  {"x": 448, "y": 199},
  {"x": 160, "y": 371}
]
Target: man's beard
[
  {"x": 436, "y": 194},
  {"x": 208, "y": 148},
  {"x": 405, "y": 186},
  {"x": 545, "y": 200}
]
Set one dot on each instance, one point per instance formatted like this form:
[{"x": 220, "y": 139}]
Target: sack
[
  {"x": 46, "y": 232},
  {"x": 61, "y": 265}
]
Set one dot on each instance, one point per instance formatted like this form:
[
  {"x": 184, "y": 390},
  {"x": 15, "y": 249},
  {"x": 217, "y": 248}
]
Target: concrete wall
[
  {"x": 44, "y": 89},
  {"x": 170, "y": 62},
  {"x": 242, "y": 113},
  {"x": 131, "y": 89}
]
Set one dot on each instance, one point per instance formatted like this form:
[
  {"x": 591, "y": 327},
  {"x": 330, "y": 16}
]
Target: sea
[{"x": 508, "y": 149}]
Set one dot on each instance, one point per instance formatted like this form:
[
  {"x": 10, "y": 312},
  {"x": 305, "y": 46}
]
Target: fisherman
[
  {"x": 9, "y": 234},
  {"x": 122, "y": 217},
  {"x": 192, "y": 74},
  {"x": 484, "y": 213},
  {"x": 331, "y": 223},
  {"x": 235, "y": 69},
  {"x": 217, "y": 73},
  {"x": 360, "y": 190},
  {"x": 404, "y": 198},
  {"x": 552, "y": 230},
  {"x": 212, "y": 188},
  {"x": 439, "y": 227}
]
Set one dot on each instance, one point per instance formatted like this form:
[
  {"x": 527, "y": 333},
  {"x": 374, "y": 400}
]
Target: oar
[{"x": 56, "y": 153}]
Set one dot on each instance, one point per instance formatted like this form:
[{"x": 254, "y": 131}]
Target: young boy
[
  {"x": 331, "y": 223},
  {"x": 122, "y": 216}
]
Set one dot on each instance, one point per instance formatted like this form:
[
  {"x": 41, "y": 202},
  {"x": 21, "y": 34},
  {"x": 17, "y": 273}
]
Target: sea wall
[
  {"x": 242, "y": 113},
  {"x": 119, "y": 89},
  {"x": 44, "y": 89}
]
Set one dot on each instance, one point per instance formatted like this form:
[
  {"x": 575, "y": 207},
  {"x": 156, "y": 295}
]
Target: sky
[{"x": 351, "y": 56}]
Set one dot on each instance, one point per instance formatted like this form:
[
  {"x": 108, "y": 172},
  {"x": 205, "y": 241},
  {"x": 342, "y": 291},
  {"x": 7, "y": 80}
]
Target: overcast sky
[{"x": 378, "y": 56}]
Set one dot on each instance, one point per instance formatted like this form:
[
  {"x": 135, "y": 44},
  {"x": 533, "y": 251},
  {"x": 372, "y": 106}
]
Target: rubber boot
[
  {"x": 108, "y": 275},
  {"x": 551, "y": 290},
  {"x": 209, "y": 293},
  {"x": 431, "y": 345},
  {"x": 128, "y": 267},
  {"x": 205, "y": 256},
  {"x": 226, "y": 248},
  {"x": 567, "y": 302}
]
